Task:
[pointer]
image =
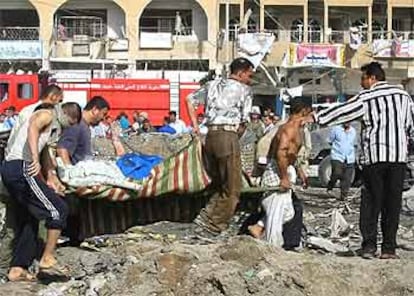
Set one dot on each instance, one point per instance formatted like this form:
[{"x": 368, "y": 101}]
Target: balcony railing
[
  {"x": 19, "y": 33},
  {"x": 87, "y": 32},
  {"x": 185, "y": 31},
  {"x": 317, "y": 36}
]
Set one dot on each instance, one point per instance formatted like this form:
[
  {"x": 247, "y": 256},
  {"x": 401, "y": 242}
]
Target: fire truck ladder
[{"x": 175, "y": 96}]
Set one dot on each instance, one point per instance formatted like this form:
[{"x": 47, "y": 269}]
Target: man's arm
[
  {"x": 409, "y": 125},
  {"x": 247, "y": 105},
  {"x": 342, "y": 113},
  {"x": 193, "y": 100},
  {"x": 64, "y": 155},
  {"x": 282, "y": 159},
  {"x": 302, "y": 165},
  {"x": 49, "y": 171},
  {"x": 331, "y": 137},
  {"x": 38, "y": 122}
]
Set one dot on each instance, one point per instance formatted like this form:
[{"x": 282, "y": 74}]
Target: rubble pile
[
  {"x": 161, "y": 144},
  {"x": 172, "y": 259}
]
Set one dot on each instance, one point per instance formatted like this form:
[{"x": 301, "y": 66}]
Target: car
[{"x": 320, "y": 159}]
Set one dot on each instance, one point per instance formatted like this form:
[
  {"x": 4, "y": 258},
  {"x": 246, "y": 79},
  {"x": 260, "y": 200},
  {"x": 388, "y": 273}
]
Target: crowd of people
[
  {"x": 260, "y": 123},
  {"x": 386, "y": 111},
  {"x": 140, "y": 124}
]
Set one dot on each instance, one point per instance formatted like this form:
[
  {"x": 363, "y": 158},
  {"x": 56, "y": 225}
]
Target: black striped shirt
[{"x": 386, "y": 112}]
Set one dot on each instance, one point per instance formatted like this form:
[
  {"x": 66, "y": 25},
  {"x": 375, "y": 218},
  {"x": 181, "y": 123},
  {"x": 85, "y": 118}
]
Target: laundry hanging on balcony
[
  {"x": 255, "y": 46},
  {"x": 355, "y": 38}
]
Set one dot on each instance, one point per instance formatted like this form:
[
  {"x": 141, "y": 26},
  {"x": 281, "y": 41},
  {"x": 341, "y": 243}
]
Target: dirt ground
[{"x": 170, "y": 259}]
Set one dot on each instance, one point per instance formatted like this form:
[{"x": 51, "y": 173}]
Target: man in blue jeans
[{"x": 343, "y": 141}]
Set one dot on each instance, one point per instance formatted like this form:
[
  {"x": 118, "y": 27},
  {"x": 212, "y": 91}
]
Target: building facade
[{"x": 200, "y": 34}]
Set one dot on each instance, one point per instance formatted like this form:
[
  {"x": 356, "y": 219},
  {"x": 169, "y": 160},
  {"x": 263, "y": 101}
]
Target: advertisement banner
[
  {"x": 393, "y": 48},
  {"x": 20, "y": 50},
  {"x": 315, "y": 55}
]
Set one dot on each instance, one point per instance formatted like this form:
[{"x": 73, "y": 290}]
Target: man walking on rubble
[
  {"x": 53, "y": 95},
  {"x": 386, "y": 112},
  {"x": 34, "y": 199},
  {"x": 283, "y": 158},
  {"x": 343, "y": 141},
  {"x": 228, "y": 102}
]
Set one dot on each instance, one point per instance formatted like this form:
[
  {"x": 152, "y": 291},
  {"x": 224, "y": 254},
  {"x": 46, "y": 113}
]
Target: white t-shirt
[{"x": 179, "y": 126}]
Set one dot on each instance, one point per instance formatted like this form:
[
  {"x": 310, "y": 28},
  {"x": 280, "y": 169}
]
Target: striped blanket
[{"x": 182, "y": 173}]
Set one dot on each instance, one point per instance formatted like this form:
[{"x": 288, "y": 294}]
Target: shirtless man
[
  {"x": 284, "y": 149},
  {"x": 287, "y": 143}
]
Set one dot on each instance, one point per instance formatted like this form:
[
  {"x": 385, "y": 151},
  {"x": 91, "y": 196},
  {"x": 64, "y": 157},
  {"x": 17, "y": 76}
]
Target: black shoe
[{"x": 367, "y": 253}]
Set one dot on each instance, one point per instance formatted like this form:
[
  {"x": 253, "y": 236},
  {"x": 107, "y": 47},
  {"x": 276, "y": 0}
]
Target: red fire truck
[{"x": 154, "y": 96}]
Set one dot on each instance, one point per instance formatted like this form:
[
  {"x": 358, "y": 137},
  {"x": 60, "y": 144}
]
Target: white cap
[{"x": 255, "y": 110}]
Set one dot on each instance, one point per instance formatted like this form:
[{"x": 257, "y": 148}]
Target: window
[
  {"x": 179, "y": 22},
  {"x": 4, "y": 91},
  {"x": 80, "y": 50},
  {"x": 85, "y": 22},
  {"x": 309, "y": 80},
  {"x": 234, "y": 19},
  {"x": 174, "y": 65},
  {"x": 25, "y": 91}
]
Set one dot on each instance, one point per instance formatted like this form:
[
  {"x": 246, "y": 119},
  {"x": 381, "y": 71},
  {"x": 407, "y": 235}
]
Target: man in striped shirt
[{"x": 386, "y": 113}]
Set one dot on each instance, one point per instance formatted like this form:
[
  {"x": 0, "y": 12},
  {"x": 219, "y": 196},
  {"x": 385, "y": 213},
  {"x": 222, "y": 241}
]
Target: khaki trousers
[{"x": 222, "y": 153}]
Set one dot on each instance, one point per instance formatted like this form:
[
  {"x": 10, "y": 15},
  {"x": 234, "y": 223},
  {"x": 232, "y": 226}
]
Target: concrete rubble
[{"x": 171, "y": 259}]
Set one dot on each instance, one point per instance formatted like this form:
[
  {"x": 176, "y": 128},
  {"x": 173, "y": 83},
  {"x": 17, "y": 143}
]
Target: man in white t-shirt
[
  {"x": 52, "y": 94},
  {"x": 177, "y": 123},
  {"x": 3, "y": 125}
]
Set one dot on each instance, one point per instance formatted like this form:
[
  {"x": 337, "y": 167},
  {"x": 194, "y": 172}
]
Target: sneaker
[{"x": 368, "y": 255}]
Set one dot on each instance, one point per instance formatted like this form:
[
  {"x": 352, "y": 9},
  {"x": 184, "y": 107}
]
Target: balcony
[
  {"x": 87, "y": 42},
  {"x": 20, "y": 43},
  {"x": 335, "y": 36},
  {"x": 19, "y": 33},
  {"x": 161, "y": 38}
]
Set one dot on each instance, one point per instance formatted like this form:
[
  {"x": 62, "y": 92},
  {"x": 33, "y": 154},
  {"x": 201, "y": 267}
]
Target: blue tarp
[{"x": 137, "y": 166}]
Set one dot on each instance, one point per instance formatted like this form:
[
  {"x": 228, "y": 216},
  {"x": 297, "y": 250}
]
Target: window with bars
[
  {"x": 167, "y": 21},
  {"x": 72, "y": 24}
]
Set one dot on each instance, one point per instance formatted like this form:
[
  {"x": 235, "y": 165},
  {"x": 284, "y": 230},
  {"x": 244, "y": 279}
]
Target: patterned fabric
[
  {"x": 271, "y": 178},
  {"x": 226, "y": 101},
  {"x": 182, "y": 173}
]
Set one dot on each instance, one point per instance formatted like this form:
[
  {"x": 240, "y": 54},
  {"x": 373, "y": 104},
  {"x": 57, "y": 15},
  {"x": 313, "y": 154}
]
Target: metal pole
[{"x": 227, "y": 33}]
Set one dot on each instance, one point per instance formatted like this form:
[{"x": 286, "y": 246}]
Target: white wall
[
  {"x": 171, "y": 4},
  {"x": 200, "y": 23},
  {"x": 115, "y": 14}
]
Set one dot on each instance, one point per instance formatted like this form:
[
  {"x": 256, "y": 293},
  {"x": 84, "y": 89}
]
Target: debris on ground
[{"x": 168, "y": 258}]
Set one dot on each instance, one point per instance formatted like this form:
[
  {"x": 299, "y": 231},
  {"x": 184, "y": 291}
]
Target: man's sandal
[{"x": 54, "y": 273}]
